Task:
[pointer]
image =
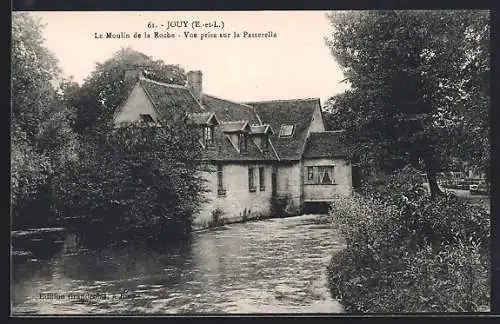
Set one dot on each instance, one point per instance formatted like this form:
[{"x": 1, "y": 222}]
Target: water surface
[{"x": 271, "y": 266}]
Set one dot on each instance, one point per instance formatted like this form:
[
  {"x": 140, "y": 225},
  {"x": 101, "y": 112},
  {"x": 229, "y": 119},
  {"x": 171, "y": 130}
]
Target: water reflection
[{"x": 259, "y": 267}]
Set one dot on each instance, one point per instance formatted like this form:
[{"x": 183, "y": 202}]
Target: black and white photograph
[{"x": 250, "y": 162}]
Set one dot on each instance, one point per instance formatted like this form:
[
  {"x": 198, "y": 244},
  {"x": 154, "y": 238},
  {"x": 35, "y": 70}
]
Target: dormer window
[
  {"x": 286, "y": 130},
  {"x": 146, "y": 118},
  {"x": 265, "y": 143},
  {"x": 243, "y": 143},
  {"x": 208, "y": 136}
]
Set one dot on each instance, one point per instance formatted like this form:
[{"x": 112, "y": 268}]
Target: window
[
  {"x": 243, "y": 139},
  {"x": 208, "y": 136},
  {"x": 262, "y": 184},
  {"x": 220, "y": 182},
  {"x": 146, "y": 118},
  {"x": 265, "y": 144},
  {"x": 286, "y": 130},
  {"x": 251, "y": 184},
  {"x": 310, "y": 173},
  {"x": 325, "y": 174}
]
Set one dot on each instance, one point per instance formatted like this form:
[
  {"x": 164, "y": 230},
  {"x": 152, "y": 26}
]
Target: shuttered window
[
  {"x": 243, "y": 143},
  {"x": 265, "y": 144},
  {"x": 221, "y": 191},
  {"x": 262, "y": 184},
  {"x": 251, "y": 181}
]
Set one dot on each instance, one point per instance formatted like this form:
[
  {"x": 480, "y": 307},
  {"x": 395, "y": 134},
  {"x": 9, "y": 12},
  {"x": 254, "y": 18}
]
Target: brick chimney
[{"x": 194, "y": 84}]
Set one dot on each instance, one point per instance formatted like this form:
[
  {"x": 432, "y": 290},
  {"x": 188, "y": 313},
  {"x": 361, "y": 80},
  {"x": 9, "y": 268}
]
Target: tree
[
  {"x": 33, "y": 70},
  {"x": 103, "y": 91},
  {"x": 341, "y": 110},
  {"x": 416, "y": 77},
  {"x": 42, "y": 141},
  {"x": 139, "y": 182}
]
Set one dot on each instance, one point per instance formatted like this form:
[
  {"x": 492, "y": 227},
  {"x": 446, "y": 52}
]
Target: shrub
[
  {"x": 408, "y": 253},
  {"x": 217, "y": 218},
  {"x": 136, "y": 183}
]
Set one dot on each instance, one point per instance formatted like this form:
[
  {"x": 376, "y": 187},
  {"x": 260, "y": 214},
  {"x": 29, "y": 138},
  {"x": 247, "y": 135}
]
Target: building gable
[
  {"x": 317, "y": 123},
  {"x": 136, "y": 104}
]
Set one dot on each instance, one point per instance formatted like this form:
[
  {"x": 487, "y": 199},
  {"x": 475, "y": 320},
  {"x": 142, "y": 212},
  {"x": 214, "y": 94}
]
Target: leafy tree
[
  {"x": 33, "y": 70},
  {"x": 138, "y": 182},
  {"x": 29, "y": 172},
  {"x": 42, "y": 141},
  {"x": 103, "y": 91},
  {"x": 419, "y": 84}
]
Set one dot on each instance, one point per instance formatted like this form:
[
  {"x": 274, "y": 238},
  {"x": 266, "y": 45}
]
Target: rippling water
[{"x": 271, "y": 266}]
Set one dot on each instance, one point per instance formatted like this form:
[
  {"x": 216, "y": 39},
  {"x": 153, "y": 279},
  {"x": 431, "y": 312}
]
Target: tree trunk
[
  {"x": 433, "y": 186},
  {"x": 430, "y": 168}
]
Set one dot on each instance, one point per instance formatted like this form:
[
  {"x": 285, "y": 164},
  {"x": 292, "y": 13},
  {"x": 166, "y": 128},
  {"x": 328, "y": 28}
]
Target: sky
[{"x": 294, "y": 64}]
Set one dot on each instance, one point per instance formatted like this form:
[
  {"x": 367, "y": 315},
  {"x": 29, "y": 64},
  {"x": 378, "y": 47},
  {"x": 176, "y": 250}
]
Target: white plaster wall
[
  {"x": 289, "y": 182},
  {"x": 342, "y": 175},
  {"x": 136, "y": 104},
  {"x": 238, "y": 200},
  {"x": 317, "y": 124}
]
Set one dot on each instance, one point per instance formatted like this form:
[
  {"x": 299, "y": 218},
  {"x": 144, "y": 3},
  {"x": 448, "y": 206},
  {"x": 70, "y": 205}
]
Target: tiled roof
[
  {"x": 225, "y": 151},
  {"x": 226, "y": 110},
  {"x": 297, "y": 112},
  {"x": 261, "y": 129},
  {"x": 327, "y": 145},
  {"x": 170, "y": 99},
  {"x": 235, "y": 126},
  {"x": 233, "y": 116},
  {"x": 202, "y": 118}
]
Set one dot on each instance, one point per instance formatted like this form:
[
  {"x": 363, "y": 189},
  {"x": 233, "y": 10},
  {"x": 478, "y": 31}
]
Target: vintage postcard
[{"x": 250, "y": 162}]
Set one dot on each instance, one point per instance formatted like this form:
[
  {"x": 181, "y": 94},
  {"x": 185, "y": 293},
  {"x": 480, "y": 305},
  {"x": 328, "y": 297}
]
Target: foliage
[
  {"x": 406, "y": 252},
  {"x": 42, "y": 141},
  {"x": 419, "y": 87},
  {"x": 132, "y": 184},
  {"x": 217, "y": 218},
  {"x": 139, "y": 181},
  {"x": 33, "y": 70},
  {"x": 29, "y": 171}
]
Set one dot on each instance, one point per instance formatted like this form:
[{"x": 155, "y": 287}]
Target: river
[{"x": 269, "y": 266}]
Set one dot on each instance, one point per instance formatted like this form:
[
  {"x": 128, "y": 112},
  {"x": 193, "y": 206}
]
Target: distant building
[{"x": 258, "y": 150}]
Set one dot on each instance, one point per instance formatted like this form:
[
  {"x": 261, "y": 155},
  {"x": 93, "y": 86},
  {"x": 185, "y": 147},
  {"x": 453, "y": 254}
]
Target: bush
[
  {"x": 408, "y": 253},
  {"x": 136, "y": 183},
  {"x": 217, "y": 218}
]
